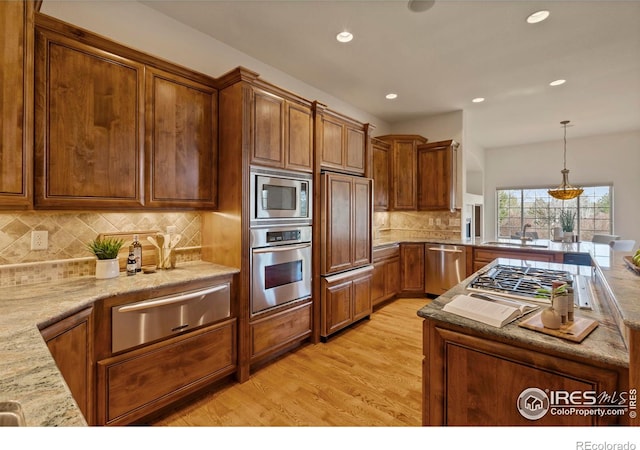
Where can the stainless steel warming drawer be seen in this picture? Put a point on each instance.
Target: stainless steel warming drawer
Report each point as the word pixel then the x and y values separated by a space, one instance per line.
pixel 137 323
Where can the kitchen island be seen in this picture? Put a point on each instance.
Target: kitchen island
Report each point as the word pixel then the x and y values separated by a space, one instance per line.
pixel 475 374
pixel 28 372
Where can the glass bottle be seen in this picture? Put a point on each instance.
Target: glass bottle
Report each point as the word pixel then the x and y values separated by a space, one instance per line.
pixel 137 252
pixel 131 262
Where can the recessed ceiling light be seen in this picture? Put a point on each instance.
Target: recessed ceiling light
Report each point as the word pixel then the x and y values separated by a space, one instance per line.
pixel 345 36
pixel 391 96
pixel 478 100
pixel 420 5
pixel 557 82
pixel 538 16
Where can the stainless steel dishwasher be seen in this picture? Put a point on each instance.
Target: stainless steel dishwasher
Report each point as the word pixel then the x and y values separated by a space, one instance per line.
pixel 445 267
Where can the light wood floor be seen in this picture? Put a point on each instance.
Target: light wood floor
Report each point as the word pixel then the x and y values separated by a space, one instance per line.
pixel 369 375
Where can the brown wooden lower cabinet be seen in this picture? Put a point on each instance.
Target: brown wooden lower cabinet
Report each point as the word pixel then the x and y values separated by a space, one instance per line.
pixel 133 385
pixel 346 298
pixel 412 268
pixel 385 280
pixel 483 256
pixel 70 342
pixel 472 380
pixel 277 331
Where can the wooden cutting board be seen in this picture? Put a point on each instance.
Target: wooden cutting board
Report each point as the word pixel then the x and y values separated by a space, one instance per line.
pixel 149 253
pixel 574 331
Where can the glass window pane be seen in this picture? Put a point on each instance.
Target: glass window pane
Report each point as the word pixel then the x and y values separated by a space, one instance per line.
pixel 517 207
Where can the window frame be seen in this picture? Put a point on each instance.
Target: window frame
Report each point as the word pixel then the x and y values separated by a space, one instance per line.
pixel 578 208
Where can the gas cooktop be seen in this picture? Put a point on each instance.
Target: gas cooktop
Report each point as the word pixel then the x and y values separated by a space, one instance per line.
pixel 518 282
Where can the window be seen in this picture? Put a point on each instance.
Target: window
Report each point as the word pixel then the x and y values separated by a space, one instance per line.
pixel 517 207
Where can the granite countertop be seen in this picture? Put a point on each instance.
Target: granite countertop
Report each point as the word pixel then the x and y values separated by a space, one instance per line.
pixel 604 344
pixel 545 245
pixel 28 372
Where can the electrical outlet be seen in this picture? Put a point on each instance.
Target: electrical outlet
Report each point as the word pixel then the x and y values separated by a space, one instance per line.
pixel 39 240
pixel 171 229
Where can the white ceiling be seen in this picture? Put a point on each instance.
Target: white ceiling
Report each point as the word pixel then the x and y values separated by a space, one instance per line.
pixel 438 60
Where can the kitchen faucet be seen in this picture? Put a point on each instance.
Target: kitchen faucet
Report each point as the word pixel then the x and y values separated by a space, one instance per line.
pixel 524 232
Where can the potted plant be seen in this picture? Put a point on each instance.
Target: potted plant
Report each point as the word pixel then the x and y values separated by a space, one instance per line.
pixel 567 222
pixel 106 250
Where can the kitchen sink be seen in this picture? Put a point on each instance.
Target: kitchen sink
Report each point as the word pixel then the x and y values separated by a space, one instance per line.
pixel 514 244
pixel 11 414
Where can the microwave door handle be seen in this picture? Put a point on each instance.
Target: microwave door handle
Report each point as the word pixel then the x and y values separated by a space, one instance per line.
pixel 265 199
pixel 284 248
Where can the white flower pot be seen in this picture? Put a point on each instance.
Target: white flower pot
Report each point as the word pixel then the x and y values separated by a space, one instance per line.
pixel 107 268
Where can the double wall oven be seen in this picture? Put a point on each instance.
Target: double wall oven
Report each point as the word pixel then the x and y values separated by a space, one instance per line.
pixel 281 217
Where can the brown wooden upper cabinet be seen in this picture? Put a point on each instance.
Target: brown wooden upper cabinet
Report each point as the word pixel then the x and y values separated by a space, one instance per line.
pixel 404 161
pixel 438 177
pixel 16 104
pixel 381 174
pixel 116 128
pixel 282 131
pixel 341 143
pixel 346 223
pixel 180 145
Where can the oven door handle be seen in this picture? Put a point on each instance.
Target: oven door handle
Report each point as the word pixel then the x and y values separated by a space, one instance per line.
pixel 283 248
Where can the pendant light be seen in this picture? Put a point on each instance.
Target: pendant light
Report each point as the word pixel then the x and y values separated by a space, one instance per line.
pixel 565 191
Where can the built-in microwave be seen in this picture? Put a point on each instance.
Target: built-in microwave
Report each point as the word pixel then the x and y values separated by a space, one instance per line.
pixel 280 196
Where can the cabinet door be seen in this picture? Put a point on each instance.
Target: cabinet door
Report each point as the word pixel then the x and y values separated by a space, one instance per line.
pixel 354 159
pixel 412 268
pixel 89 126
pixel 70 343
pixel 299 145
pixel 338 232
pixel 361 292
pixel 381 168
pixel 268 128
pixel 434 178
pixel 16 98
pixel 137 383
pixel 392 277
pixel 361 221
pixel 337 310
pixel 331 149
pixel 181 138
pixel 273 333
pixel 438 176
pixel 378 282
pixel 404 162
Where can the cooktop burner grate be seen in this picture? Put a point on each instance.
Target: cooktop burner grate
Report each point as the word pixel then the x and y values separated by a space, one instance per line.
pixel 516 281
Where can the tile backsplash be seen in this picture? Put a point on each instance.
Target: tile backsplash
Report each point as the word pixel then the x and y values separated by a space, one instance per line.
pixel 68 234
pixel 417 224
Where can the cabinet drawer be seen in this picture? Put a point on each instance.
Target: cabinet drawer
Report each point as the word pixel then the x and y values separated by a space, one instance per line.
pixel 386 252
pixel 276 331
pixel 136 383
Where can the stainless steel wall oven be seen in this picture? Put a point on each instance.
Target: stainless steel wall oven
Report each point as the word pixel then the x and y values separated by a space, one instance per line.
pixel 280 266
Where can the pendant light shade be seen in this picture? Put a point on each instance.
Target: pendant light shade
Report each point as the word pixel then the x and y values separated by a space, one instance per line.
pixel 565 191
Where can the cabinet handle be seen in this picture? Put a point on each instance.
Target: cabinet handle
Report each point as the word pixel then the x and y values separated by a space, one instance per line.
pixel 180 298
pixel 448 250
